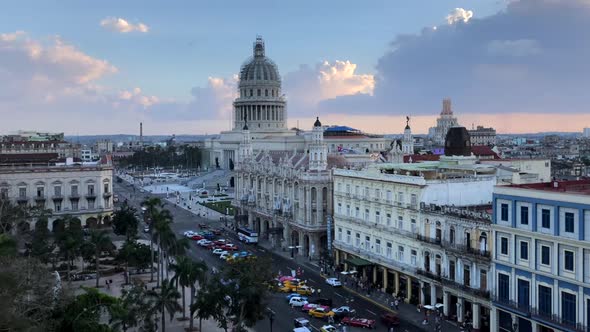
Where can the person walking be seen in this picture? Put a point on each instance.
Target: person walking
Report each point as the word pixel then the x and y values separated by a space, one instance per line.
pixel 396 303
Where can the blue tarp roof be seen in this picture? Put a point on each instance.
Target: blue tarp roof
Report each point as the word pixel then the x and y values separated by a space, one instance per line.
pixel 341 128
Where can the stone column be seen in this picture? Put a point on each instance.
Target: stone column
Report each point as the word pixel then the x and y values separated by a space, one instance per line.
pixel 476 317
pixel 396 283
pixel 422 295
pixel 409 288
pixel 432 294
pixel 309 206
pixel 460 309
pixel 250 220
pixel 384 288
pixel 319 206
pixel 286 235
pixel 302 244
pixel 446 303
pixel 494 319
pixel 374 274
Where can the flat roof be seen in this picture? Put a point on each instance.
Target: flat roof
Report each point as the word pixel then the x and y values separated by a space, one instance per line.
pixel 574 187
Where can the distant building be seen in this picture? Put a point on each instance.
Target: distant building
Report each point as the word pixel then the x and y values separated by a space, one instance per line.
pixel 540 267
pixel 77 189
pixel 586 133
pixel 483 136
pixel 104 146
pixel 35 143
pixel 445 122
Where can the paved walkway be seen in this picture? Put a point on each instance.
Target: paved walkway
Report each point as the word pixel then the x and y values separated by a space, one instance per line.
pixel 406 312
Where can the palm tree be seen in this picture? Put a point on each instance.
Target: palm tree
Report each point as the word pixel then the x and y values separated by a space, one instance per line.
pixel 174 247
pixel 181 274
pixel 165 300
pixel 152 205
pixel 196 273
pixel 163 235
pixel 101 241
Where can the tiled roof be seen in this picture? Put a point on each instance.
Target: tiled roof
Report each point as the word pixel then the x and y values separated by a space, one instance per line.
pixel 421 157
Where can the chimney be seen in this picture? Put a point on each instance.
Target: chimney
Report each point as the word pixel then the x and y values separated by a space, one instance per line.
pixel 141 132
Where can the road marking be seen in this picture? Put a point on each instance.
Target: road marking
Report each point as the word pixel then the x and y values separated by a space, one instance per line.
pixel 339 295
pixel 371 312
pixel 313 327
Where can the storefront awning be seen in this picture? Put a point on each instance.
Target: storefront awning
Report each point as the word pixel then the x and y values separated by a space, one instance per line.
pixel 358 262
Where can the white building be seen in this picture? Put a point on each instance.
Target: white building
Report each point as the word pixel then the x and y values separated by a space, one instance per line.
pixel 586 133
pixel 445 121
pixel 541 261
pixel 287 195
pixel 483 136
pixel 408 139
pixel 420 230
pixel 261 103
pixel 80 190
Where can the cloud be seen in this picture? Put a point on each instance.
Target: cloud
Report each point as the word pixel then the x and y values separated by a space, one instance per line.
pixel 459 14
pixel 530 58
pixel 122 25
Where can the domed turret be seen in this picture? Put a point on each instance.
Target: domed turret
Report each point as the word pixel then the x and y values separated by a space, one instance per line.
pixel 317 122
pixel 458 142
pixel 260 99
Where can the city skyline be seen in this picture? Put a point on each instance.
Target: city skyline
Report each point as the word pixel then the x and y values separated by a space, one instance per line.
pixel 104 70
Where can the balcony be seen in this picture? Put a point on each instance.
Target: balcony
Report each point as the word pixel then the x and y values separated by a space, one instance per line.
pixel 462 249
pixel 557 321
pixel 523 309
pixel 106 194
pixel 40 198
pixel 90 195
pixel 428 239
pixel 479 292
pixel 57 197
pixel 22 199
pixel 74 196
pixel 430 275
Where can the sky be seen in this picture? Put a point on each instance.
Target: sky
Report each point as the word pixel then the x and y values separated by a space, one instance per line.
pixel 102 67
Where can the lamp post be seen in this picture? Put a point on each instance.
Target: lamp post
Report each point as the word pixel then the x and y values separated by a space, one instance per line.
pixel 293 250
pixel 271 316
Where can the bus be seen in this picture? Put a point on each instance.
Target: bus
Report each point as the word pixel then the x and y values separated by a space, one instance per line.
pixel 247 235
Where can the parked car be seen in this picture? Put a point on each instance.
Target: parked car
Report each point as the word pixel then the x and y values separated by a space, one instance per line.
pixel 189 233
pixel 390 319
pixel 219 251
pixel 225 256
pixel 328 328
pixel 208 235
pixel 197 237
pixel 297 301
pixel 334 282
pixel 343 311
pixel 229 247
pixel 292 295
pixel 203 242
pixel 305 290
pixel 309 306
pixel 301 322
pixel 217 231
pixel 203 226
pixel 358 322
pixel 320 312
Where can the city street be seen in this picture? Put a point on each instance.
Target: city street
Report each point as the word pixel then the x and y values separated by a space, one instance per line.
pixel 283 321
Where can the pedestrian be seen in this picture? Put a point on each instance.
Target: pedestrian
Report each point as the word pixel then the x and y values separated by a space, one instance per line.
pixel 396 303
pixel 106 282
pixel 392 304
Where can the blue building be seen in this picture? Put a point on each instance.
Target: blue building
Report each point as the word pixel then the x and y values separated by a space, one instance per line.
pixel 541 260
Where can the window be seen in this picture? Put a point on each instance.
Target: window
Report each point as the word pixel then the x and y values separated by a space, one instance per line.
pixel 388 250
pixel 22 192
pixel 377 217
pixel 400 253
pixel 347 210
pixel 400 222
pixel 545 300
pixel 378 246
pixel 504 246
pixel 266 92
pixel 545 255
pixel 524 215
pixel 546 218
pixel 568 308
pixel 57 190
pixel 106 188
pixel 452 270
pixel 339 208
pixel 568 260
pixel 367 192
pixel 367 242
pixel 523 293
pixel 74 205
pixel 388 219
pixel 357 190
pixel 57 206
pixel 452 235
pixel 358 240
pixel 414 200
pixel 357 212
pixel 348 189
pixel 389 196
pixel 414 227
pixel 339 234
pixel 40 191
pixel 348 237
pixel 339 187
pixel 74 190
pixel 107 203
pixel 258 93
pixel 90 189
pixel 377 193
pixel 251 93
pixel 503 287
pixel 569 222
pixel 504 212
pixel 400 197
pixel 4 193
pixel 413 256
pixel 524 250
pixel 91 204
pixel 367 214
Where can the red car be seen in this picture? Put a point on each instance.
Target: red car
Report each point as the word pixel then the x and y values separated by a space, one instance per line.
pixel 229 247
pixel 390 319
pixel 359 322
pixel 197 237
pixel 217 231
pixel 203 226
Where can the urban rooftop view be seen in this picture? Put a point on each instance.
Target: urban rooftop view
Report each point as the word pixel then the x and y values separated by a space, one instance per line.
pixel 412 166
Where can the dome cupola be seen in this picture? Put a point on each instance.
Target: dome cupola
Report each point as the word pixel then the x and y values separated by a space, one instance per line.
pixel 458 142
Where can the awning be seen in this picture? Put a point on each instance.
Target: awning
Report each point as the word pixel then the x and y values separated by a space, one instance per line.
pixel 358 262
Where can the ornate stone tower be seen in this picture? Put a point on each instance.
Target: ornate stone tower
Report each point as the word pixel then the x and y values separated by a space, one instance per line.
pixel 260 100
pixel 408 140
pixel 245 150
pixel 318 150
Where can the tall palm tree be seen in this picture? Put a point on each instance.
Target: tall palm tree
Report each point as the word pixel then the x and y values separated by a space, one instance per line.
pixel 196 273
pixel 181 271
pixel 152 206
pixel 163 235
pixel 101 241
pixel 165 300
pixel 174 247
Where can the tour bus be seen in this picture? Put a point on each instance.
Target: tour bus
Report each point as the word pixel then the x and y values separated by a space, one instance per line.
pixel 247 235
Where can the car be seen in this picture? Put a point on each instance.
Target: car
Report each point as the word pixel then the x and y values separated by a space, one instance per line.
pixel 230 247
pixel 208 235
pixel 320 312
pixel 286 278
pixel 358 322
pixel 297 301
pixel 203 226
pixel 292 295
pixel 343 311
pixel 334 282
pixel 301 322
pixel 224 256
pixel 322 301
pixel 217 231
pixel 197 237
pixel 203 242
pixel 310 306
pixel 189 233
pixel 301 329
pixel 328 328
pixel 304 290
pixel 286 289
pixel 390 319
pixel 220 242
pixel 219 251
pixel 146 229
pixel 294 283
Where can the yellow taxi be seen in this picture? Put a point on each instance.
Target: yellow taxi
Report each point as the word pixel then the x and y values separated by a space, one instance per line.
pixel 286 289
pixel 304 290
pixel 320 312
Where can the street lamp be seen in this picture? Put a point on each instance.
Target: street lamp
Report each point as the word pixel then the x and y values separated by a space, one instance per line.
pixel 271 316
pixel 293 250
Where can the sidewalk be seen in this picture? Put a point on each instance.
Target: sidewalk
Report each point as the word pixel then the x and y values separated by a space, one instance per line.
pixel 406 312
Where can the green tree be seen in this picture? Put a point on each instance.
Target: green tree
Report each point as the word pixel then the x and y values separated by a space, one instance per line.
pixel 125 223
pixel 211 302
pixel 197 273
pixel 165 300
pixel 69 239
pixel 86 311
pixel 164 236
pixel 40 245
pixel 182 270
pixel 152 206
pixel 133 310
pixel 7 245
pixel 101 242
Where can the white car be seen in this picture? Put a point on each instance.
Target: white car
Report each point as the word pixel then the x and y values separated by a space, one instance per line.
pixel 189 234
pixel 224 256
pixel 219 251
pixel 203 242
pixel 297 301
pixel 334 282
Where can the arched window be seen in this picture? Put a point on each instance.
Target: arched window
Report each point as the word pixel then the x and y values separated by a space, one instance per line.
pixel 483 241
pixel 452 235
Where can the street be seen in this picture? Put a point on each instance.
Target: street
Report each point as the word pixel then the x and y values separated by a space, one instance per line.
pixel 185 220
